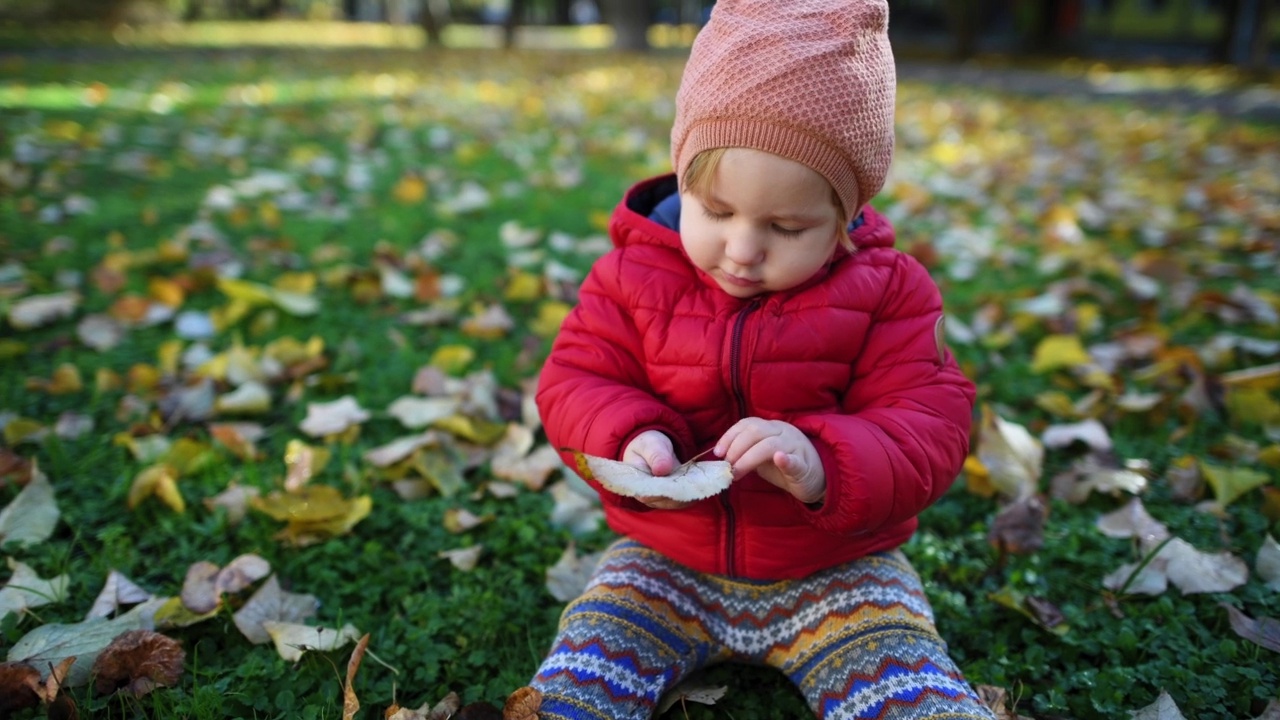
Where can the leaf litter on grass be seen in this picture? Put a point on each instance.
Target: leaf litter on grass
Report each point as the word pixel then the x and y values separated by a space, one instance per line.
pixel 1106 277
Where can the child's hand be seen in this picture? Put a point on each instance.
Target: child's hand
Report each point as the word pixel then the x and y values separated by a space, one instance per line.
pixel 652 452
pixel 779 452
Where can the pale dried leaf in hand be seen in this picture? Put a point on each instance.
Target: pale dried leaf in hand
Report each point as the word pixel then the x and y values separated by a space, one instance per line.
pixel 292 640
pixel 333 417
pixel 1013 458
pixel 464 559
pixel 271 603
pixel 31 517
pixel 1134 521
pixel 1268 563
pixel 568 577
pixel 25 589
pixel 688 482
pixel 137 662
pixel 1164 708
pixel 1262 631
pixel 116 591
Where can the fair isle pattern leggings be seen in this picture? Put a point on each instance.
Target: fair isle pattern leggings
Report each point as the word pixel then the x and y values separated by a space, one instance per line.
pixel 858 640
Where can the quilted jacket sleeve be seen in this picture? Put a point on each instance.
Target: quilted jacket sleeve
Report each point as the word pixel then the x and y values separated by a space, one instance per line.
pixel 905 433
pixel 593 392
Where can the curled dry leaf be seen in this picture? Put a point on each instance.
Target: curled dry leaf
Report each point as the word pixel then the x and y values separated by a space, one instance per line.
pixel 687 692
pixel 250 398
pixel 271 603
pixel 460 520
pixel 334 417
pixel 18 687
pixel 522 704
pixel 1268 563
pixel 137 662
pixel 235 500
pixel 686 483
pixel 1134 521
pixel 447 708
pixel 351 703
pixel 205 582
pixel 400 449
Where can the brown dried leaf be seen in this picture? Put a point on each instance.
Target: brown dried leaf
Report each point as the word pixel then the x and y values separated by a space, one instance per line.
pixel 199 588
pixel 137 662
pixel 350 703
pixel 522 704
pixel 1019 526
pixel 19 687
pixel 242 572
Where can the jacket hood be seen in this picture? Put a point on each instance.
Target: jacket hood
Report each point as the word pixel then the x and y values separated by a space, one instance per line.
pixel 630 223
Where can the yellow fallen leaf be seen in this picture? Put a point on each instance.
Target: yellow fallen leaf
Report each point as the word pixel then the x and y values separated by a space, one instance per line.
pixel 1059 351
pixel 1230 483
pixel 523 286
pixel 251 398
pixel 481 432
pixel 1013 458
pixel 166 292
pixel 303 283
pixel 410 189
pixel 978 478
pixel 1249 405
pixel 313 503
pixel 303 462
pixel 551 315
pixel 302 533
pixel 173 614
pixel 159 480
pixel 23 430
pixel 488 323
pixel 452 359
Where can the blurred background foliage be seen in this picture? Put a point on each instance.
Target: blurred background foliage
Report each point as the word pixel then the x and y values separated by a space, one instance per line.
pixel 1237 32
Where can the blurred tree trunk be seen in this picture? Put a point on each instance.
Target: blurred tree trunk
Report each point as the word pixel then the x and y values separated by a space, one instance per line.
pixel 432 26
pixel 630 21
pixel 1243 40
pixel 962 18
pixel 515 16
pixel 194 11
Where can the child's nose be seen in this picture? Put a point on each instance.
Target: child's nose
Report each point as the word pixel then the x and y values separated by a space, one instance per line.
pixel 744 247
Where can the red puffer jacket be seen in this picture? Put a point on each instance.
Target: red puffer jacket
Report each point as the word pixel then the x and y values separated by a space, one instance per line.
pixel 852 357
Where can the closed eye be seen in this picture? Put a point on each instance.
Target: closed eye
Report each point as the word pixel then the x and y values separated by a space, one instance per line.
pixel 714 215
pixel 788 232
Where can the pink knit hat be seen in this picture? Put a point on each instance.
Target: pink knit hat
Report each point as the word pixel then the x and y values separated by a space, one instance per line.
pixel 809 80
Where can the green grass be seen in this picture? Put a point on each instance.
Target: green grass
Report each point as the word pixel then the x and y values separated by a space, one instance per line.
pixel 482 633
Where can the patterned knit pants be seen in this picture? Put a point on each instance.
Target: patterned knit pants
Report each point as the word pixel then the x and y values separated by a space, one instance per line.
pixel 858 640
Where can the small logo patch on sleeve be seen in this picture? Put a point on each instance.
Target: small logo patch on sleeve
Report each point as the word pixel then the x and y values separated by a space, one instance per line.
pixel 940 337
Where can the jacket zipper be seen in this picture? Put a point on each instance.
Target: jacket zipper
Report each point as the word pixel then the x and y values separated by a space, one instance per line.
pixel 735 378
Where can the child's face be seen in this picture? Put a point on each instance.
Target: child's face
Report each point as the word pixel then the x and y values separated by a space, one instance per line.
pixel 766 224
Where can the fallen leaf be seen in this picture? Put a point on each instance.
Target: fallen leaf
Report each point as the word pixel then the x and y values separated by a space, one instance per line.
pixel 31 517
pixel 205 582
pixel 18 683
pixel 1267 563
pixel 1134 521
pixel 688 482
pixel 292 640
pixel 464 559
pixel 1019 526
pixel 235 500
pixel 334 417
pixel 1012 457
pixel 417 412
pixel 25 589
pixel 1037 610
pixel 399 449
pixel 522 704
pixel 116 591
pixel 271 603
pixel 1090 432
pixel 573 510
pixel 1164 708
pixel 350 703
pixel 37 310
pixel 159 480
pixel 688 691
pixel 1230 483
pixel 239 438
pixel 1263 631
pixel 100 332
pixel 49 645
pixel 137 662
pixel 568 577
pixel 1056 352
pixel 250 398
pixel 460 520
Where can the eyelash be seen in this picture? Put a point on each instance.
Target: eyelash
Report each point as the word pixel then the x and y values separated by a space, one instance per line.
pixel 785 232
